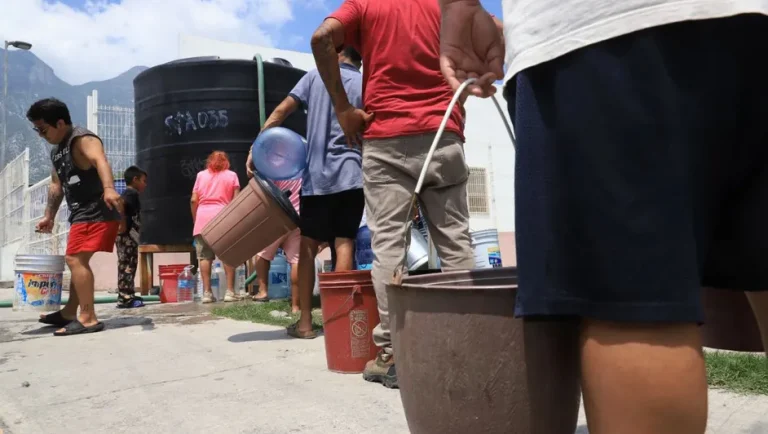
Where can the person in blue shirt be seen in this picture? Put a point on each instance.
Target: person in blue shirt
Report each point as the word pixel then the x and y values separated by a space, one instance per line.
pixel 332 199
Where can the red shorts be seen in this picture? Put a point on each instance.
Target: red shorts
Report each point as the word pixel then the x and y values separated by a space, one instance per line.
pixel 92 237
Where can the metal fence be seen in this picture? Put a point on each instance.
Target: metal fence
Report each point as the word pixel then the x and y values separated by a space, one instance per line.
pixel 13 180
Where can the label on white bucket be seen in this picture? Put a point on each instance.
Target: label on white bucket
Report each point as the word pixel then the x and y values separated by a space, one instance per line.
pixel 38 290
pixel 359 335
pixel 494 257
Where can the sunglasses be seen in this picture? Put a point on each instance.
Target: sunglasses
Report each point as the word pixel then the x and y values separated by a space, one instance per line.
pixel 40 131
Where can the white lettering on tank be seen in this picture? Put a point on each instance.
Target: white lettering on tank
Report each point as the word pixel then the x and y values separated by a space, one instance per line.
pixel 189 121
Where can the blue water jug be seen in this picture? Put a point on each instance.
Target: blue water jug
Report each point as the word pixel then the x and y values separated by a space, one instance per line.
pixel 279 285
pixel 363 251
pixel 279 153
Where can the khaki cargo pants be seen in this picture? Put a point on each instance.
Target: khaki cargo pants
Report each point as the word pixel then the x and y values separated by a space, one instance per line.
pixel 391 168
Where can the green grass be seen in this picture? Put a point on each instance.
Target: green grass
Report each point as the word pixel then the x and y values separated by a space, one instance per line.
pixel 738 372
pixel 261 312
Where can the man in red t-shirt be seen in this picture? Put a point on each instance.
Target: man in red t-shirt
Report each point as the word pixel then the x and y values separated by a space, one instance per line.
pixel 405 98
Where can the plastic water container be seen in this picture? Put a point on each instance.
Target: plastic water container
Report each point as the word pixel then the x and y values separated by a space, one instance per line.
pixel 38 282
pixel 279 285
pixel 363 251
pixel 486 246
pixel 279 154
pixel 240 276
pixel 218 281
pixel 199 287
pixel 185 289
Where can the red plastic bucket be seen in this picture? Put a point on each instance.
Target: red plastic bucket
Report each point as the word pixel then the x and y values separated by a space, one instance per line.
pixel 169 278
pixel 350 313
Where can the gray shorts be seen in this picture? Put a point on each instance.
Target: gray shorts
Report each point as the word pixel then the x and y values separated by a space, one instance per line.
pixel 204 251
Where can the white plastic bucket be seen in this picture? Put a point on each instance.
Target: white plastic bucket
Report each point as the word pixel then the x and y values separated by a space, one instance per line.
pixel 486 246
pixel 38 282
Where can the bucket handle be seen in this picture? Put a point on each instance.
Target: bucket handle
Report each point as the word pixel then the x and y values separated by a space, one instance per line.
pixel 357 289
pixel 402 269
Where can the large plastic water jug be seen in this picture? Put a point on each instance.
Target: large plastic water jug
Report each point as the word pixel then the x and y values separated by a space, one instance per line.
pixel 279 285
pixel 363 252
pixel 279 154
pixel 185 289
pixel 218 281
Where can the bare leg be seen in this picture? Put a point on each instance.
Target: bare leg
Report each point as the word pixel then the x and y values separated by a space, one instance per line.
pixel 306 280
pixel 205 273
pixel 69 311
pixel 295 287
pixel 82 283
pixel 229 272
pixel 262 277
pixel 643 378
pixel 345 254
pixel 759 302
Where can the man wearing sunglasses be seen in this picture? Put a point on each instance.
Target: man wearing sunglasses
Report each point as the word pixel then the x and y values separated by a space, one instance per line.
pixel 82 174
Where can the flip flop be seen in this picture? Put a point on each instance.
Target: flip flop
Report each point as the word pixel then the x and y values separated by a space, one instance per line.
pixel 293 331
pixel 77 328
pixel 55 319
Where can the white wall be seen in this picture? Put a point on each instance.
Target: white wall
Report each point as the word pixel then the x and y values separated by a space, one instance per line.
pixel 488 145
pixel 484 128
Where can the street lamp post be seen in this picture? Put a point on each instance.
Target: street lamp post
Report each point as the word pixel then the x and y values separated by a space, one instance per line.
pixel 21 46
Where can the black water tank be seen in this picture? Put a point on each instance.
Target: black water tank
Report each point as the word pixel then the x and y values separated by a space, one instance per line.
pixel 187 109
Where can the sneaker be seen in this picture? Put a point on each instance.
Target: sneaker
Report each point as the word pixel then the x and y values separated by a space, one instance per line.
pixel 126 301
pixel 230 297
pixel 208 298
pixel 382 370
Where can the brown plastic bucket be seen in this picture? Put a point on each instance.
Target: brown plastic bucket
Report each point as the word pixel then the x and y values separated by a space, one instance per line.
pixel 256 218
pixel 465 364
pixel 729 323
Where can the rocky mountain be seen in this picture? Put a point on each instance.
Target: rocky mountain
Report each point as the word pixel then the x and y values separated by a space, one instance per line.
pixel 30 79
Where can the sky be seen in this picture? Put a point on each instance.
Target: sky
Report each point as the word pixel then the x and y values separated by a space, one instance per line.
pixel 87 40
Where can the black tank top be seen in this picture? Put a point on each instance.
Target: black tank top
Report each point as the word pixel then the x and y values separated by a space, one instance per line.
pixel 82 188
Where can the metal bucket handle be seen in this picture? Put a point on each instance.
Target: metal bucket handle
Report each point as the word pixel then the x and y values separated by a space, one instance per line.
pixel 402 269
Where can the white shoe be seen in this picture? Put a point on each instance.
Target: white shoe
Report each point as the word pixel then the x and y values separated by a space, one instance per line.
pixel 208 298
pixel 230 297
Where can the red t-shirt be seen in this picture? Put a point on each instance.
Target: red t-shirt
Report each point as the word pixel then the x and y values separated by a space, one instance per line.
pixel 399 41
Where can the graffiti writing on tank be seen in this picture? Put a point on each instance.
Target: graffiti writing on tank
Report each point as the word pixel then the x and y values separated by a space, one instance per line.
pixel 190 166
pixel 186 121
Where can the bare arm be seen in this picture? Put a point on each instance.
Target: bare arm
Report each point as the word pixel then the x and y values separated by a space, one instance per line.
pixel 194 202
pixel 93 151
pixel 326 38
pixel 55 196
pixel 281 112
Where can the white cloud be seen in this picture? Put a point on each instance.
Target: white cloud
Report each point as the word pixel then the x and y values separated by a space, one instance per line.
pixel 105 38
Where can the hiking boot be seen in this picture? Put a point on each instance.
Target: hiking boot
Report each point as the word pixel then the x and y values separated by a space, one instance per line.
pixel 381 370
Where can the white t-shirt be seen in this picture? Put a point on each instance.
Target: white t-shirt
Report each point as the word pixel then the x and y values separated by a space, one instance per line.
pixel 537 31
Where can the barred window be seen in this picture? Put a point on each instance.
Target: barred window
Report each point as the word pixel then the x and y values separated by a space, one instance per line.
pixel 477 191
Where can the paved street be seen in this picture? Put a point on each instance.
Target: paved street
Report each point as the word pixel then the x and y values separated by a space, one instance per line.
pixel 174 368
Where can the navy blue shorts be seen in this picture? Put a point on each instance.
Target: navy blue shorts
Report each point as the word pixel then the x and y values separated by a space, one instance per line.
pixel 642 172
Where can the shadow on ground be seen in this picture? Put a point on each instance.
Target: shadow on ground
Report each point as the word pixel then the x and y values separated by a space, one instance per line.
pixel 110 324
pixel 260 336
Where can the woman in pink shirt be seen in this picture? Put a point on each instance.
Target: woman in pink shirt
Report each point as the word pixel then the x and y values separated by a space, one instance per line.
pixel 215 187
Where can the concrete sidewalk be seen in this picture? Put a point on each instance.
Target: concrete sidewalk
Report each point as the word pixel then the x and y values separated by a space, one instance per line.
pixel 174 368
